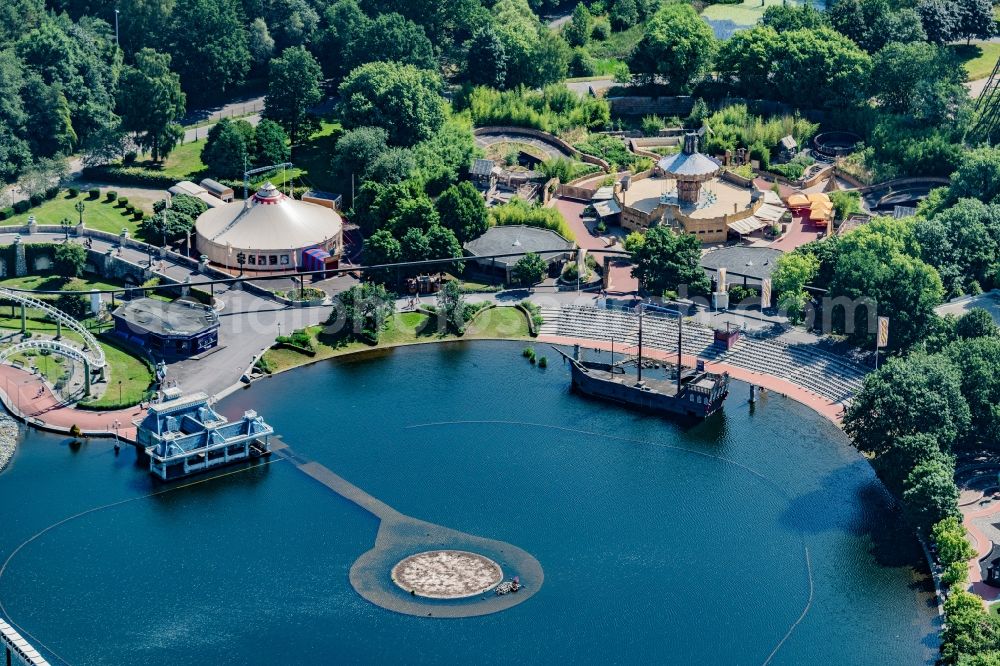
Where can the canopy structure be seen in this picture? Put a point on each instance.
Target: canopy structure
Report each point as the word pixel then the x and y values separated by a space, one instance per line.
pixel 690 169
pixel 608 208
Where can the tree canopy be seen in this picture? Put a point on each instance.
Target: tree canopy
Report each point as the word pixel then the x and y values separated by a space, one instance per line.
pixel 403 100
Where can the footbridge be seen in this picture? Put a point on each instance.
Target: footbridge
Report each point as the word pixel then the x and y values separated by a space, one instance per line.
pixel 16 650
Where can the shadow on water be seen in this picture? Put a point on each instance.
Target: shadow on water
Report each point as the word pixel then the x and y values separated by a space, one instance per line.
pixel 870 513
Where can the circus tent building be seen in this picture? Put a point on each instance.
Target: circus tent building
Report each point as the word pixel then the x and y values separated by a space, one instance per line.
pixel 271 232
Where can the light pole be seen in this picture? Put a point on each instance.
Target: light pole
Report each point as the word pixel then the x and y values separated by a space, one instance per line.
pixel 241 259
pixel 65 223
pixel 119 392
pixel 79 207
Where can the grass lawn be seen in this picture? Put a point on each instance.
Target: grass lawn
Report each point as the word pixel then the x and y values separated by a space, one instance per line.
pixel 403 329
pixel 126 371
pixel 978 58
pixel 618 46
pixel 51 366
pixel 97 214
pixel 183 163
pixel 313 159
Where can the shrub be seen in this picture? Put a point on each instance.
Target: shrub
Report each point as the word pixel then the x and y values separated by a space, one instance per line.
pixel 112 195
pixel 130 157
pixel 601 31
pixel 94 193
pixel 651 125
pixel 21 207
pixel 600 228
pixel 543 362
pixel 123 201
pixel 73 192
pixel 6 213
pixel 51 192
pixel 36 200
pixel 519 212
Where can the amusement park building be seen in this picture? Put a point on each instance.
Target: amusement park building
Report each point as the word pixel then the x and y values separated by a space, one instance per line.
pixel 271 232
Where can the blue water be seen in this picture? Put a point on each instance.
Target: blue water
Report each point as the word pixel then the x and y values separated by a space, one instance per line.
pixel 659 544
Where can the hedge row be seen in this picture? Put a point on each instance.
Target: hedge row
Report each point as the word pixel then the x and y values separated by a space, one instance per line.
pixel 129 176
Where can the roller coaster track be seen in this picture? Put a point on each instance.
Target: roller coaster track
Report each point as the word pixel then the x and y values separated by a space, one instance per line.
pixel 987 119
pixel 92 354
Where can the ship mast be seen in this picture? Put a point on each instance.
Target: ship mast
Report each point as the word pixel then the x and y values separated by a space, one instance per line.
pixel 640 342
pixel 680 340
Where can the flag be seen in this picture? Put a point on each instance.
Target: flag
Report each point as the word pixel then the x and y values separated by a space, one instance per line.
pixel 765 294
pixel 883 332
pixel 722 279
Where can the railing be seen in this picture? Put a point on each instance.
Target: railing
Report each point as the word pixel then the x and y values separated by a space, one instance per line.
pixel 94 354
pixel 18 648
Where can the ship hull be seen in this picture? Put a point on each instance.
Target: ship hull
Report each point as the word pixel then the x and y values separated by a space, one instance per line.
pixel 594 386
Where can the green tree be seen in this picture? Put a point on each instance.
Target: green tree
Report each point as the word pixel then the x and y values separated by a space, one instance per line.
pixel 976 20
pixel 969 630
pixel 357 150
pixel 486 64
pixel 677 47
pixel 577 31
pixel 976 323
pixel 271 144
pixel 528 270
pixel 393 38
pixel 209 47
pixel 624 14
pixel 786 17
pixel 367 308
pixel 226 152
pixel 381 248
pixel 940 19
pixel 293 89
pixel 794 271
pixel 669 261
pixel 150 102
pixel 879 264
pixel 48 116
pixel 908 396
pixel 413 213
pixel 462 209
pixel 451 306
pixel 402 99
pixel 259 42
pixel 917 79
pixel 977 176
pixel 977 361
pixel 343 21
pixel 930 493
pixel 442 244
pixel 951 542
pixel 414 246
pixel 70 260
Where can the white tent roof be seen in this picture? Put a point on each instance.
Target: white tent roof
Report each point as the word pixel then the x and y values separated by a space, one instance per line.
pixel 267 221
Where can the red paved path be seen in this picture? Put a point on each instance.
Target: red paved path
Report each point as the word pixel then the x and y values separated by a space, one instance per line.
pixel 620 280
pixel 983 546
pixel 800 231
pixel 28 395
pixel 831 410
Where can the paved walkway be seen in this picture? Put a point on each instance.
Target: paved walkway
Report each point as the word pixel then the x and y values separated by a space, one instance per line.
pixel 28 396
pixel 620 280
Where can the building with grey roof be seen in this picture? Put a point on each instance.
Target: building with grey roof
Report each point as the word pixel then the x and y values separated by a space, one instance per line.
pixel 515 241
pixel 168 329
